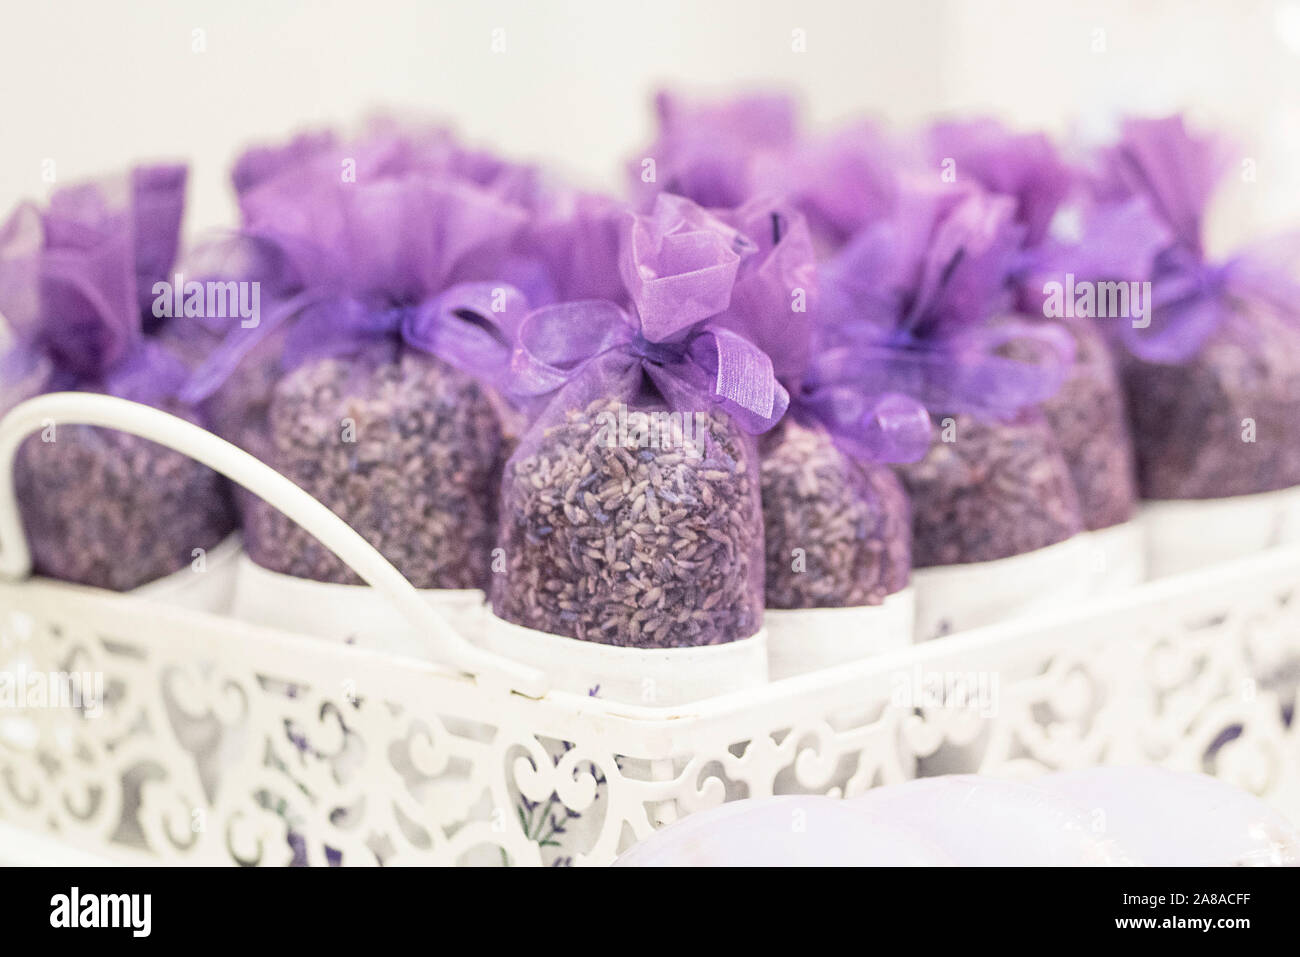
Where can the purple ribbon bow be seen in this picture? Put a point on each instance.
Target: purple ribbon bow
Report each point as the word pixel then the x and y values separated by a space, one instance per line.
pixel 562 343
pixel 869 425
pixel 471 326
pixel 679 265
pixel 409 258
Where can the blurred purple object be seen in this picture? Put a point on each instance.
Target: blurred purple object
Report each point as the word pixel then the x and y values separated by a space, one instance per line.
pixel 1024 166
pixel 909 302
pixel 77 278
pixel 723 153
pixel 1152 190
pixel 718 154
pixel 102 507
pixel 260 163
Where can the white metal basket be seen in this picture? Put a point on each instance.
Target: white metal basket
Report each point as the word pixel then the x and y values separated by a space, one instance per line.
pixel 220 742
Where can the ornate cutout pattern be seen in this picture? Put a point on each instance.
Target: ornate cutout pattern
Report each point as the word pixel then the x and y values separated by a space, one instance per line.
pixel 219 743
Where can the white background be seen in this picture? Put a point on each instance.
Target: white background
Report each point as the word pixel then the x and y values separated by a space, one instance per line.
pixel 94 84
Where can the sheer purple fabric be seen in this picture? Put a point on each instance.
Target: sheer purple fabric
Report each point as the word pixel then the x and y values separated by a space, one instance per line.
pixel 630 512
pixel 1216 359
pixel 77 281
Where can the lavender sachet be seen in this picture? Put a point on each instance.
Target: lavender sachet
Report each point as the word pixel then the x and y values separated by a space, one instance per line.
pixel 630 512
pixel 911 298
pixel 79 282
pixel 383 327
pixel 1212 369
pixel 1087 413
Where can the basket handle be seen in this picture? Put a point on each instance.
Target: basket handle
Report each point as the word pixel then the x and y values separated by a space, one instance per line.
pixel 83 408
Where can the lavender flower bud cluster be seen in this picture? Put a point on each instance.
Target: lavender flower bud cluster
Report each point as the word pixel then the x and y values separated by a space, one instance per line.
pixel 836 530
pixel 641 547
pixel 112 510
pixel 407 452
pixel 1000 489
pixel 1224 423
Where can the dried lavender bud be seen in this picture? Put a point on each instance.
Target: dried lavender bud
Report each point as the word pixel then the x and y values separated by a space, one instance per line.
pixel 848 520
pixel 996 489
pixel 406 452
pixel 646 547
pixel 1225 423
pixel 104 508
pixel 1091 426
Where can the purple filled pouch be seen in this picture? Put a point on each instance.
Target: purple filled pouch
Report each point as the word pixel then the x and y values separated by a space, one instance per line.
pixel 917 295
pixel 989 489
pixel 912 302
pixel 1224 423
pixel 1089 419
pixel 77 287
pixel 630 512
pixel 1213 379
pixel 1087 413
pixel 377 352
pixel 837 529
pixel 836 522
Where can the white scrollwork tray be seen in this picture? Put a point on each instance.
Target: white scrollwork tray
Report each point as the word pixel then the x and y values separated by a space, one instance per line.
pixel 217 742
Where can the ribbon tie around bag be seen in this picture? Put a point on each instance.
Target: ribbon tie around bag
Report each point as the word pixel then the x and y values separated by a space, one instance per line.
pixel 1191 299
pixel 470 326
pixel 679 266
pixel 702 367
pixel 357 265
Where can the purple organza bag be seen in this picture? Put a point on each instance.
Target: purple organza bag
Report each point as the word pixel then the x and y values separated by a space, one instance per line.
pixel 1213 379
pixel 77 287
pixel 910 302
pixel 1087 413
pixel 836 520
pixel 1088 416
pixel 630 513
pixel 297 233
pixel 381 339
pixel 1223 423
pixel 837 528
